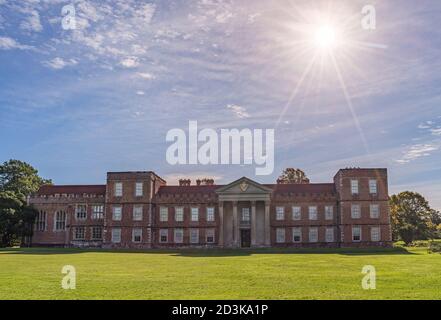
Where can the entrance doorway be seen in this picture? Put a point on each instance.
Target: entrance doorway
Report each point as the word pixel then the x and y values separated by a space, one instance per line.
pixel 245 238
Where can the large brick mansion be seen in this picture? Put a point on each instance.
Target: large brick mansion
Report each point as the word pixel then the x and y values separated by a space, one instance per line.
pixel 139 210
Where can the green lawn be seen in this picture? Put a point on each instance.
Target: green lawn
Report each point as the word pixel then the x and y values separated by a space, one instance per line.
pixel 409 273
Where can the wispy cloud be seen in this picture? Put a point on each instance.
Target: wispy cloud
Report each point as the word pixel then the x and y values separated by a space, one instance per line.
pixel 59 63
pixel 417 151
pixel 239 111
pixel 7 43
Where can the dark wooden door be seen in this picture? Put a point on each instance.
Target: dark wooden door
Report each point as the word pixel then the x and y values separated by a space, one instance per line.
pixel 245 238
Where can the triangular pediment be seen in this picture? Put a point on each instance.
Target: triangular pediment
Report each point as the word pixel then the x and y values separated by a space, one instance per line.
pixel 244 185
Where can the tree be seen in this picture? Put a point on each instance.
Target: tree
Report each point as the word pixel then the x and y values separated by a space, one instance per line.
pixel 293 175
pixel 410 217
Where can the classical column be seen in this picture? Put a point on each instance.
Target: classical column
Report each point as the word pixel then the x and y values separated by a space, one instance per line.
pixel 235 225
pixel 253 223
pixel 267 224
pixel 221 223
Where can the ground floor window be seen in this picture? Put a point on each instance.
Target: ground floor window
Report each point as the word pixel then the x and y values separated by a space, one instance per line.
pixel 60 221
pixel 297 235
pixel 356 234
pixel 116 235
pixel 79 233
pixel 329 234
pixel 375 234
pixel 97 233
pixel 209 235
pixel 313 235
pixel 280 235
pixel 179 235
pixel 163 235
pixel 137 235
pixel 194 235
pixel 40 222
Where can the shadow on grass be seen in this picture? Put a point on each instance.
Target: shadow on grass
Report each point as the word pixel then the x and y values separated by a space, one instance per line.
pixel 213 252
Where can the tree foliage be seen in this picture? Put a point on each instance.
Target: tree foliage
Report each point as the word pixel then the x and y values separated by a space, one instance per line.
pixel 293 175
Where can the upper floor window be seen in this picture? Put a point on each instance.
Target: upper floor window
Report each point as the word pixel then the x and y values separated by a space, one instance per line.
pixel 179 235
pixel 137 213
pixel 329 212
pixel 296 213
pixel 163 214
pixel 375 234
pixel 280 213
pixel 194 235
pixel 81 211
pixel 60 221
pixel 40 222
pixel 194 214
pixel 209 235
pixel 163 235
pixel 356 234
pixel 179 214
pixel 329 234
pixel 137 235
pixel 280 235
pixel 313 234
pixel 116 235
pixel 373 186
pixel 80 233
pixel 118 189
pixel 313 213
pixel 354 186
pixel 355 211
pixel 210 214
pixel 246 215
pixel 138 189
pixel 297 234
pixel 375 211
pixel 97 212
pixel 97 233
pixel 117 213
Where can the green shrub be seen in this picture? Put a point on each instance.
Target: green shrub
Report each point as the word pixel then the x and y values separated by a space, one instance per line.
pixel 434 247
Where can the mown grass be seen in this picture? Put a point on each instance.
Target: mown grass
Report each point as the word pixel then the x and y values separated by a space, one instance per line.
pixel 402 273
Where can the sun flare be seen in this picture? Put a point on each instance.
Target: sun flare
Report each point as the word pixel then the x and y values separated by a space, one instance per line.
pixel 325 37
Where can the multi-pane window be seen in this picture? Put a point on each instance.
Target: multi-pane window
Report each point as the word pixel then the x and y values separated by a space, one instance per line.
pixel 280 235
pixel 137 213
pixel 373 186
pixel 375 234
pixel 280 213
pixel 163 214
pixel 81 211
pixel 313 234
pixel 374 211
pixel 354 186
pixel 312 213
pixel 210 214
pixel 246 215
pixel 40 222
pixel 118 189
pixel 209 235
pixel 138 189
pixel 97 233
pixel 79 233
pixel 117 213
pixel 60 221
pixel 163 235
pixel 329 235
pixel 356 234
pixel 97 212
pixel 297 234
pixel 329 212
pixel 137 235
pixel 296 213
pixel 355 211
pixel 194 236
pixel 179 235
pixel 116 235
pixel 194 214
pixel 179 214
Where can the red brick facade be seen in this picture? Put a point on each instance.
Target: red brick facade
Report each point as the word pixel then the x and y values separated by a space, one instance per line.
pixel 138 210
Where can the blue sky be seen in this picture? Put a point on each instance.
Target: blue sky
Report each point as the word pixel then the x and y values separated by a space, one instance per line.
pixel 78 103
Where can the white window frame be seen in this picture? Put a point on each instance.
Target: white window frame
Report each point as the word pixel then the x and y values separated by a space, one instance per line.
pixel 60 221
pixel 93 233
pixel 296 213
pixel 79 214
pixel 375 236
pixel 139 186
pixel 355 188
pixel 296 231
pixel 353 233
pixel 355 211
pixel 41 221
pixel 210 233
pixel 280 235
pixel 329 212
pixel 280 213
pixel 330 234
pixel 179 214
pixel 194 236
pixel 313 231
pixel 118 189
pixel 138 212
pixel 115 232
pixel 194 214
pixel 115 215
pixel 163 214
pixel 313 213
pixel 163 233
pixel 245 215
pixel 178 235
pixel 137 232
pixel 83 233
pixel 210 214
pixel 373 186
pixel 97 211
pixel 374 211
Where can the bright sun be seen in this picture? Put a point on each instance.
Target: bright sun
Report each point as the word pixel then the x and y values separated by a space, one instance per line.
pixel 325 37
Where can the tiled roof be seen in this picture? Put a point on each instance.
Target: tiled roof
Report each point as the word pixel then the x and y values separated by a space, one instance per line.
pixel 78 189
